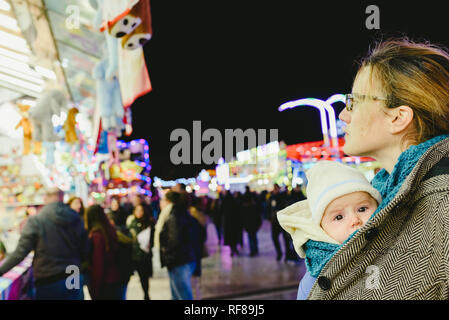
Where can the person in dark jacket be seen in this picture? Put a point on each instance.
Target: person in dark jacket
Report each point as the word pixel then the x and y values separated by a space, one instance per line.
pixel 278 200
pixel 252 220
pixel 59 240
pixel 196 212
pixel 296 195
pixel 232 224
pixel 104 274
pixel 217 218
pixel 142 261
pixel 178 234
pixel 119 214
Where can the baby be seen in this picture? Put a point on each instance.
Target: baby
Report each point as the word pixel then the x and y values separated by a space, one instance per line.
pixel 340 200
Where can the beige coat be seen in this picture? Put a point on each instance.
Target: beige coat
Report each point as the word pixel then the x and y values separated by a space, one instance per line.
pixel 403 252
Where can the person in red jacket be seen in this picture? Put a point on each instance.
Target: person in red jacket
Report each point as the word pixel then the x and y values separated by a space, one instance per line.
pixel 104 273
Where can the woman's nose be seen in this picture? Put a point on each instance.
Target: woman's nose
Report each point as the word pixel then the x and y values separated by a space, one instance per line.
pixel 344 116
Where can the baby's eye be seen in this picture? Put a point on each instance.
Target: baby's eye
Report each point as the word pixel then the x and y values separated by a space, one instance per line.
pixel 362 209
pixel 338 217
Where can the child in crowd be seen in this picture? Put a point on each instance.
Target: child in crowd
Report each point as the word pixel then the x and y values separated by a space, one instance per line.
pixel 340 200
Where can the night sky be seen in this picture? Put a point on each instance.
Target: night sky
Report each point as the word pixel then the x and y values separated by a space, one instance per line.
pixel 231 64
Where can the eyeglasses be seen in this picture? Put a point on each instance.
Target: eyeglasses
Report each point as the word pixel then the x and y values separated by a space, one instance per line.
pixel 350 97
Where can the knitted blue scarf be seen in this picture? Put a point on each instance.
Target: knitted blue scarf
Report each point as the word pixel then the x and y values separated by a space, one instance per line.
pixel 319 253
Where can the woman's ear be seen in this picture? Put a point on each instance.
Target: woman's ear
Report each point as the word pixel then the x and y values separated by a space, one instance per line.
pixel 400 119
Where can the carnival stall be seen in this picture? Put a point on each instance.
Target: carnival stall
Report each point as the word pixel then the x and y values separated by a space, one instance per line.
pixel 126 175
pixel 259 168
pixel 69 73
pixel 307 154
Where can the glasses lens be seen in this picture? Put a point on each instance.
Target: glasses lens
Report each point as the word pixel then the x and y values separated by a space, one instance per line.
pixel 349 102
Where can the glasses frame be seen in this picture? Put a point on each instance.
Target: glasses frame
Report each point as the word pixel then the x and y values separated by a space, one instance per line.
pixel 349 99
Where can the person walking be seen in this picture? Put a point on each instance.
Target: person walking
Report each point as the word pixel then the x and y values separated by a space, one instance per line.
pixel 232 223
pixel 217 218
pixel 202 219
pixel 104 275
pixel 177 238
pixel 277 202
pixel 142 260
pixel 252 220
pixel 58 238
pixel 398 114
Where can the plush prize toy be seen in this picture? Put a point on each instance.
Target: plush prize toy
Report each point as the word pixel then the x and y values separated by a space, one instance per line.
pixel 127 19
pixel 110 51
pixel 117 17
pixel 109 100
pixel 25 123
pixel 138 37
pixel 69 126
pixel 52 102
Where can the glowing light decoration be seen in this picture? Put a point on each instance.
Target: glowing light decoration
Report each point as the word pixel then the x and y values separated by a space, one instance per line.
pixel 323 106
pixel 311 102
pixel 126 145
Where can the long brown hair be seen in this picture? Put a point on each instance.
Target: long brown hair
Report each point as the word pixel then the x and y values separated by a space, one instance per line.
pixel 73 198
pixel 96 220
pixel 415 75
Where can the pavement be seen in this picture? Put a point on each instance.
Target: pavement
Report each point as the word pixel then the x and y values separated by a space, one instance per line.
pixel 225 277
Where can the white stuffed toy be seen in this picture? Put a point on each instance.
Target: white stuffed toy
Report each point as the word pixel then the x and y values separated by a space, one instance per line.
pixel 109 100
pixel 52 102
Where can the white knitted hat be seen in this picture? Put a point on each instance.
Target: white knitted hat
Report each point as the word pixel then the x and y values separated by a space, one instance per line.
pixel 328 180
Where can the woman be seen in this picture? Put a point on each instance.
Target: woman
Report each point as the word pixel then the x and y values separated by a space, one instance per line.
pixel 142 261
pixel 118 213
pixel 76 204
pixel 104 275
pixel 398 113
pixel 177 237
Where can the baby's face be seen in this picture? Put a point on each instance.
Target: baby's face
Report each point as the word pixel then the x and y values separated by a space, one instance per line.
pixel 347 213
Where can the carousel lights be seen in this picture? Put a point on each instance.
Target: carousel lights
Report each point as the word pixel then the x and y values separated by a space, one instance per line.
pixel 316 103
pixel 9 23
pixel 14 55
pixel 14 42
pixel 20 83
pixel 45 72
pixel 4 5
pixel 321 105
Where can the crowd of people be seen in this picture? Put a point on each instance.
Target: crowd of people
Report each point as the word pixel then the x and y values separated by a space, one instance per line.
pixel 111 241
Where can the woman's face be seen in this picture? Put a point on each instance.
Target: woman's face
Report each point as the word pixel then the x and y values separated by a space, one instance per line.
pixel 114 205
pixel 138 212
pixel 366 132
pixel 76 205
